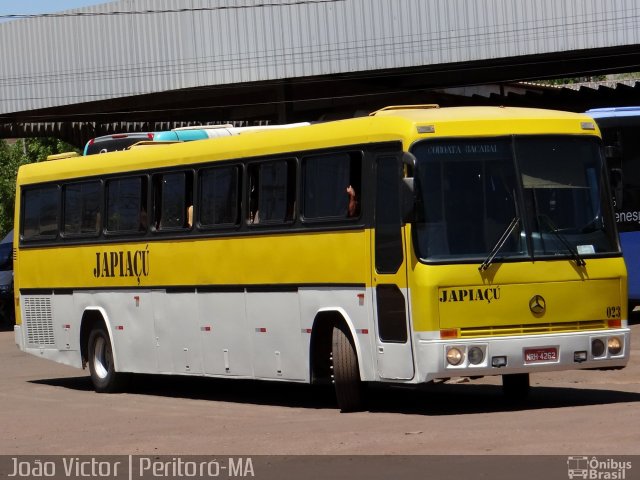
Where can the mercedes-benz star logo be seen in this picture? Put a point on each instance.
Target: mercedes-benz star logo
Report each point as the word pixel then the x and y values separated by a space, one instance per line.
pixel 537 305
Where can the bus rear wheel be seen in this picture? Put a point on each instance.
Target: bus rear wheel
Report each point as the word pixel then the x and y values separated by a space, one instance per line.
pixel 104 377
pixel 346 373
pixel 515 386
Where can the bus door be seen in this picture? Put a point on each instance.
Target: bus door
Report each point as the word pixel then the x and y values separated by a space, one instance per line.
pixel 389 282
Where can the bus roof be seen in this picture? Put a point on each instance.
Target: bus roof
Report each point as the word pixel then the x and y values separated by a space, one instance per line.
pixel 395 124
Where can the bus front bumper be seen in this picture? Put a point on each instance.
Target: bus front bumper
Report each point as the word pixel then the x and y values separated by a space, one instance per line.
pixel 522 354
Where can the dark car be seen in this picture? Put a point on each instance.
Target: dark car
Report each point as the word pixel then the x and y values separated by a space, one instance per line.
pixel 6 281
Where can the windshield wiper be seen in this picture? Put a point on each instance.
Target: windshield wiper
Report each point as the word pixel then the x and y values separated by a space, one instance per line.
pixel 499 244
pixel 574 253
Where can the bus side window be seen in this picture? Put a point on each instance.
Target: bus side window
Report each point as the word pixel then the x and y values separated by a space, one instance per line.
pixel 218 204
pixel 81 207
pixel 173 201
pixel 40 219
pixel 272 192
pixel 127 205
pixel 331 186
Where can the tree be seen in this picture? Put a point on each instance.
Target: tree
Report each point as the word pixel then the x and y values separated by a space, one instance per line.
pixel 568 81
pixel 12 157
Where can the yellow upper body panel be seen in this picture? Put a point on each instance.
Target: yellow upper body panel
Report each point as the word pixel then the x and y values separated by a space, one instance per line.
pixel 388 125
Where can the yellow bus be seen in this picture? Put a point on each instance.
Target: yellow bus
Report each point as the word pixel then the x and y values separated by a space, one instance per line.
pixel 410 246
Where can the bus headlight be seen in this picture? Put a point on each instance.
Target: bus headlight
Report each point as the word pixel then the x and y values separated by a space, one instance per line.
pixel 597 347
pixel 454 356
pixel 614 345
pixel 476 355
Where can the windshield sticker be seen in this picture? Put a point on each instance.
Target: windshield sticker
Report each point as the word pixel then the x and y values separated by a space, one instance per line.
pixel 469 295
pixel 458 149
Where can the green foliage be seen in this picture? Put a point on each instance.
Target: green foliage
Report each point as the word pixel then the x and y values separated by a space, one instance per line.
pixel 567 81
pixel 22 152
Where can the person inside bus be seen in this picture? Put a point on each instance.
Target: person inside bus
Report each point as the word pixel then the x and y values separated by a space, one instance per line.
pixel 253 196
pixel 352 208
pixel 254 216
pixel 190 216
pixel 143 219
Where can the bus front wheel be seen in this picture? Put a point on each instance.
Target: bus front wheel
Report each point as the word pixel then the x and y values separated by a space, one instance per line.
pixel 101 366
pixel 346 373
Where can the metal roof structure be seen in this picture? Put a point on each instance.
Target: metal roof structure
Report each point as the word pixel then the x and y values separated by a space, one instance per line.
pixel 289 60
pixel 577 97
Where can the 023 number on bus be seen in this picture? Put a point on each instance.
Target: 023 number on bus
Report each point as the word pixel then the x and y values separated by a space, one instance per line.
pixel 614 311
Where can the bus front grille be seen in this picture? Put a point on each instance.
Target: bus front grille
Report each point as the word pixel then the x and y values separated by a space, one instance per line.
pixel 38 321
pixel 532 329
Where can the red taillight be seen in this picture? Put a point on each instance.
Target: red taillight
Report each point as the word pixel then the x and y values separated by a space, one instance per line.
pixel 92 141
pixel 150 135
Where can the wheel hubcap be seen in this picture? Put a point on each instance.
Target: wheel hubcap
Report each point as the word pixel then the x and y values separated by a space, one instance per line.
pixel 101 358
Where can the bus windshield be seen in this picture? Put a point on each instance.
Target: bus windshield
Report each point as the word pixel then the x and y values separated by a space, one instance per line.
pixel 513 197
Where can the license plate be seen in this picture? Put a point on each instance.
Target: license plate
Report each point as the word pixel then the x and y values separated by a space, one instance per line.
pixel 539 355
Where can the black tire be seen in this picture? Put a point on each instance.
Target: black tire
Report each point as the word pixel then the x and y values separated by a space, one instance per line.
pixel 101 367
pixel 346 373
pixel 516 386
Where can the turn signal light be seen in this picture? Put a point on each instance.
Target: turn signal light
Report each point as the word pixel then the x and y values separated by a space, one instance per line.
pixel 449 333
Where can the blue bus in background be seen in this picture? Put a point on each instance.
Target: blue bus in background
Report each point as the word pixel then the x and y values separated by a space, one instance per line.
pixel 620 128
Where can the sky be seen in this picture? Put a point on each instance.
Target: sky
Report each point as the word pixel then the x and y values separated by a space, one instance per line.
pixel 30 7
